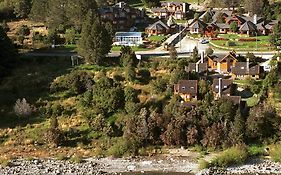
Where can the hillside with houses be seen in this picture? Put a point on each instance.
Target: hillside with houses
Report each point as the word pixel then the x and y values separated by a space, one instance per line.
pixel 184 86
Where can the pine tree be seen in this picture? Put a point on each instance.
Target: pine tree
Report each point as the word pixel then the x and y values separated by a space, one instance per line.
pixel 7 53
pixel 95 42
pixel 38 10
pixel 56 13
pixel 22 8
pixel 76 11
pixel 173 52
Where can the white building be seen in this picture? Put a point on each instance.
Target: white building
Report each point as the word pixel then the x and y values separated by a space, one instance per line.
pixel 128 38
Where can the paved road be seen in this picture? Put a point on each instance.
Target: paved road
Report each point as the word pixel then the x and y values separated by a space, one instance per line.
pixel 184 48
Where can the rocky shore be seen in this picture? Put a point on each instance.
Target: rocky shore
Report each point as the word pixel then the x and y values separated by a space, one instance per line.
pixel 93 166
pixel 255 166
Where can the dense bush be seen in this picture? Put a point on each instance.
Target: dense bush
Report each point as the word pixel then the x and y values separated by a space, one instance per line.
pixel 275 153
pixel 233 156
pixel 76 82
pixel 24 30
pixel 23 108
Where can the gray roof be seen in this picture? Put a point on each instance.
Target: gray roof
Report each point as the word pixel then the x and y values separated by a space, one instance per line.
pixel 222 25
pixel 227 85
pixel 157 9
pixel 241 69
pixel 159 25
pixel 187 87
pixel 128 34
pixel 202 67
pixel 209 11
pixel 248 26
pixel 197 23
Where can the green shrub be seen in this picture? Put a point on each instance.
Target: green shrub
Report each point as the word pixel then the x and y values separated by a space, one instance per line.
pixel 118 149
pixel 203 164
pixel 6 163
pixel 275 153
pixel 255 150
pixel 61 157
pixel 233 156
pixel 230 43
pixel 76 159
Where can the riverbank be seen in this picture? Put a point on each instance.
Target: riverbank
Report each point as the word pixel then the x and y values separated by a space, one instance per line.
pixel 95 166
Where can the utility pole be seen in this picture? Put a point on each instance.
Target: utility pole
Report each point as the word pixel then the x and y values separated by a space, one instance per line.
pixel 256 41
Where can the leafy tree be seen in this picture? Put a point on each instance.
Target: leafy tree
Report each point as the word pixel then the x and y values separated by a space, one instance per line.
pixel 237 129
pixel 131 95
pixel 251 57
pixel 128 57
pixel 159 85
pixel 262 122
pixel 209 51
pixel 275 37
pixel 254 6
pixel 178 74
pixel 207 18
pixel 151 3
pixel 24 30
pixel 22 8
pixel 233 27
pixel 108 96
pixel 173 52
pixel 95 42
pixel 130 73
pixel 70 36
pixel 220 18
pixel 232 3
pixel 196 16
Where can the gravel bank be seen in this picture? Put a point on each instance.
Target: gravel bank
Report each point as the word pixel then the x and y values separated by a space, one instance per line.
pixel 105 166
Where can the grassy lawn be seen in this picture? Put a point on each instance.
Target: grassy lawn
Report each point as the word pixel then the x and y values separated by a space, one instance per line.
pixel 261 45
pixel 134 48
pixel 157 38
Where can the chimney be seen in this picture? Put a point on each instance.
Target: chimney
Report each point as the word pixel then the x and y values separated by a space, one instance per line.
pixel 255 21
pixel 220 87
pixel 248 66
pixel 202 56
pixel 184 7
pixel 197 67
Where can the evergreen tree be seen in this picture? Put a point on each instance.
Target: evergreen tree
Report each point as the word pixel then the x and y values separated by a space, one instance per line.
pixel 95 42
pixel 38 10
pixel 22 8
pixel 56 15
pixel 7 53
pixel 173 52
pixel 233 27
pixel 76 11
pixel 195 54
